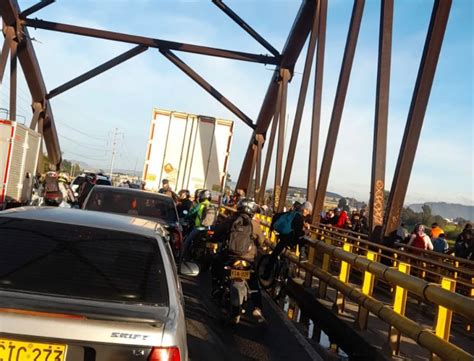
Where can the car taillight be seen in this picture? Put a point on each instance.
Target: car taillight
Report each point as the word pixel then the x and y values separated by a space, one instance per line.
pixel 178 239
pixel 164 354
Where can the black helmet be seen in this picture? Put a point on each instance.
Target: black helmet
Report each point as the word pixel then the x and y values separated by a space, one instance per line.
pixel 203 195
pixel 247 206
pixel 91 178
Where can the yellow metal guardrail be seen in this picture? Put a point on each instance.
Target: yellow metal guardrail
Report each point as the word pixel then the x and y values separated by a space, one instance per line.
pixel 443 296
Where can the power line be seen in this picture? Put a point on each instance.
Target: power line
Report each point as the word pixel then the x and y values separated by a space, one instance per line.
pixel 81 144
pixel 81 132
pixel 85 157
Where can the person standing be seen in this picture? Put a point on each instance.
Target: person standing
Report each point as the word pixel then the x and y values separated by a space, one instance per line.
pixel 166 189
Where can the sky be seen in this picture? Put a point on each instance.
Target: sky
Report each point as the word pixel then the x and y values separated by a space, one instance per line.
pixel 124 96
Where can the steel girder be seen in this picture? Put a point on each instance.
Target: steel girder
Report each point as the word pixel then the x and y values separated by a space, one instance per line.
pixel 9 10
pixel 291 51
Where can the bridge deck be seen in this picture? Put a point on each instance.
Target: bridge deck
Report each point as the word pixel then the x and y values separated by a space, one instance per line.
pixel 210 339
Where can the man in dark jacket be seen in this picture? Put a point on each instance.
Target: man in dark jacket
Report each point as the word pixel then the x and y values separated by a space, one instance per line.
pixel 289 239
pixel 244 217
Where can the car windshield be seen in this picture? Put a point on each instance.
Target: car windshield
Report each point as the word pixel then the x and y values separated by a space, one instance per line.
pixel 103 182
pixel 141 204
pixel 80 262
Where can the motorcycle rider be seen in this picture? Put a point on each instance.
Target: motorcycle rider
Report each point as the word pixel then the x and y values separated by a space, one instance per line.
pixel 245 229
pixel 184 203
pixel 52 195
pixel 86 187
pixel 204 214
pixel 68 194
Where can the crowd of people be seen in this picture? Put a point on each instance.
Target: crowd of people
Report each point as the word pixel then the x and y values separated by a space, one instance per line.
pixel 339 217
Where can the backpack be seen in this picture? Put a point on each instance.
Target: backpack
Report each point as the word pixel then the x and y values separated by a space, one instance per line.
pixel 283 224
pixel 209 215
pixel 240 238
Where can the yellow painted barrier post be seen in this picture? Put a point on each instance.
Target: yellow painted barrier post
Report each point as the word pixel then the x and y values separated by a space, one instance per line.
pixel 344 274
pixel 323 286
pixel 399 306
pixel 367 289
pixel 444 317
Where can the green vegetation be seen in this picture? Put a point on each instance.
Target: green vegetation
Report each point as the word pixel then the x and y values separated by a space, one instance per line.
pixel 410 218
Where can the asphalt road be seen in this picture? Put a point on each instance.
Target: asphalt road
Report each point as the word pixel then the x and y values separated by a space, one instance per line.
pixel 210 339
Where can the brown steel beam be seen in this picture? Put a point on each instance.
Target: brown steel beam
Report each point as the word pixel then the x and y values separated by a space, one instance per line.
pixel 421 94
pixel 150 42
pixel 9 11
pixel 294 44
pixel 35 8
pixel 246 27
pixel 206 86
pixel 377 188
pixel 13 79
pixel 268 157
pixel 285 78
pixel 5 51
pixel 37 112
pixel 97 70
pixel 317 101
pixel 339 100
pixel 299 109
pixel 258 166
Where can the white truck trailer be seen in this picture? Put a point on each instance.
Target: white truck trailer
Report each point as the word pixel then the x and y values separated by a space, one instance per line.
pixel 19 152
pixel 191 151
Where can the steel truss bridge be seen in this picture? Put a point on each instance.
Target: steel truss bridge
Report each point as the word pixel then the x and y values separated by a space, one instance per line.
pixel 333 253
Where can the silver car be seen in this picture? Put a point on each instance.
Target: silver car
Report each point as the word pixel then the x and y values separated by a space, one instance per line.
pixel 83 285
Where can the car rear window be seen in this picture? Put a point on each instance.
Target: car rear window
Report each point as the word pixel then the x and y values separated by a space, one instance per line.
pixel 103 182
pixel 142 204
pixel 80 262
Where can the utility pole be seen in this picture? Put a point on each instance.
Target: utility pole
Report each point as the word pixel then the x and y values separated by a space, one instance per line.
pixel 114 144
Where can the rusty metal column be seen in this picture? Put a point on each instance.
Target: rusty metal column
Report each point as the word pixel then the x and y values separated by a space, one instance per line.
pixel 285 77
pixel 421 94
pixel 339 100
pixel 317 100
pixel 5 51
pixel 377 188
pixel 271 141
pixel 13 79
pixel 299 108
pixel 258 165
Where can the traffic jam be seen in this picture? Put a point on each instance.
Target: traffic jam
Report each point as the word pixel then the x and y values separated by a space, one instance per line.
pixel 90 267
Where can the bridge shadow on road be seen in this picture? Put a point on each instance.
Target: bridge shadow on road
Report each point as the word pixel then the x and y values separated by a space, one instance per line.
pixel 209 338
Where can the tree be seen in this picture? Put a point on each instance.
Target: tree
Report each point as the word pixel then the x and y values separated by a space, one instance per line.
pixel 426 214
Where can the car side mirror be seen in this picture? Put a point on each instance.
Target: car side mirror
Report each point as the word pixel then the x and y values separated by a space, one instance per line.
pixel 189 269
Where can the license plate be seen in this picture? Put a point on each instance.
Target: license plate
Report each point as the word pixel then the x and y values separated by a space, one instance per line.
pixel 212 246
pixel 239 274
pixel 31 351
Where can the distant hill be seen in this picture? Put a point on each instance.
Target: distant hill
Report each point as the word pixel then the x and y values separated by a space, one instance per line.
pixel 447 210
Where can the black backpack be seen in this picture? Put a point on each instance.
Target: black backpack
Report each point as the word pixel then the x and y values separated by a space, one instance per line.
pixel 241 238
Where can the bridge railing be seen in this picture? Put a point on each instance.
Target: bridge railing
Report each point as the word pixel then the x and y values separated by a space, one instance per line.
pixel 343 256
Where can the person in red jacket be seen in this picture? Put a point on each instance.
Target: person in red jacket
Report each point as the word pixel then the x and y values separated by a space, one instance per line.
pixel 419 239
pixel 342 218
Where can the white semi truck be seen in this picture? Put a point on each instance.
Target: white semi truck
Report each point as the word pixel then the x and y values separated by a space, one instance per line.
pixel 19 152
pixel 191 151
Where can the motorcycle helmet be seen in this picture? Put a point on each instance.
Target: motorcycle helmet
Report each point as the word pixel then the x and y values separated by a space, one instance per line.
pixel 91 178
pixel 184 194
pixel 247 206
pixel 203 195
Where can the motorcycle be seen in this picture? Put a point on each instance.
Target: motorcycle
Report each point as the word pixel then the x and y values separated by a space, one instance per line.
pixel 204 248
pixel 233 290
